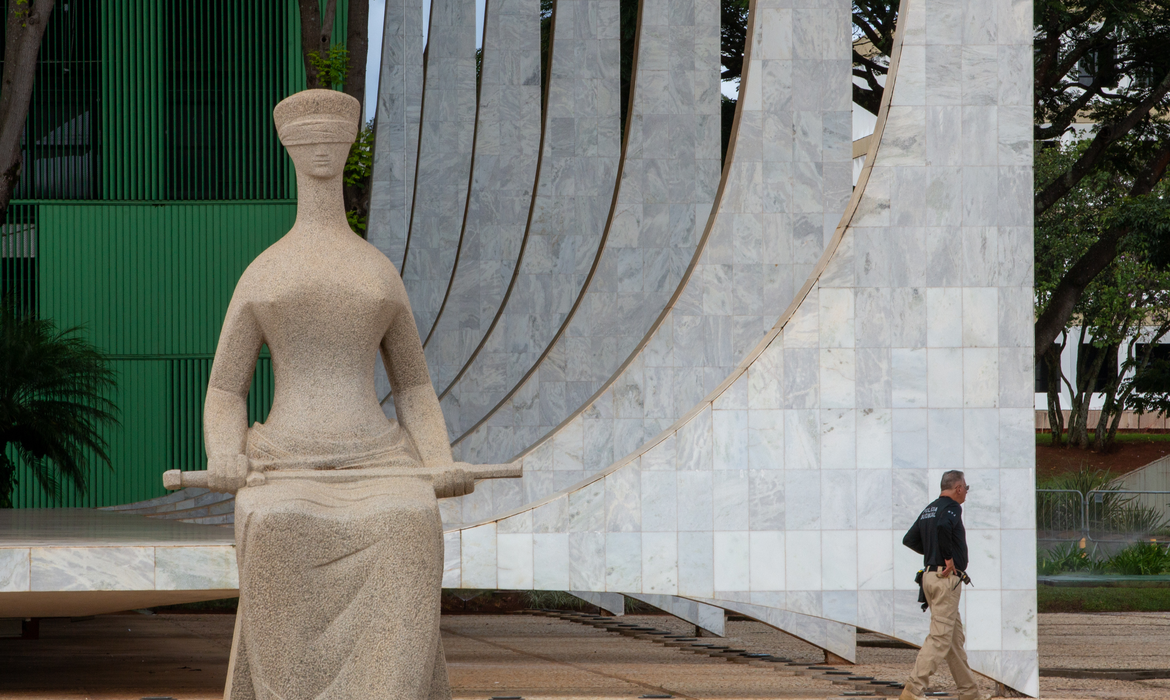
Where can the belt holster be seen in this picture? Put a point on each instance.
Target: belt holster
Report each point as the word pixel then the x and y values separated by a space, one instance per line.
pixel 921 593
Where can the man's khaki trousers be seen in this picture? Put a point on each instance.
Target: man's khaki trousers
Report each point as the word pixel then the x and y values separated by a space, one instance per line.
pixel 946 637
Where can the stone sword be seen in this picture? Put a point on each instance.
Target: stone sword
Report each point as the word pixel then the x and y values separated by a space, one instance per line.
pixel 455 479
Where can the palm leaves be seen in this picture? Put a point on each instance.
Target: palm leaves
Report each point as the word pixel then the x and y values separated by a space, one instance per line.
pixel 52 403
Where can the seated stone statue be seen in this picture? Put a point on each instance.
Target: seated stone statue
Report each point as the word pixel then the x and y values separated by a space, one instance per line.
pixel 339 580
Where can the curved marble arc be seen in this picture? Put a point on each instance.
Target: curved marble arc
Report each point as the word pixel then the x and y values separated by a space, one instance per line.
pixel 776 200
pixel 443 170
pixel 669 175
pixel 575 185
pixel 507 138
pixel 906 352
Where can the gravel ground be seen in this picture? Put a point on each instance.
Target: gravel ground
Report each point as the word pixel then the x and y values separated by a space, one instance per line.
pixel 129 656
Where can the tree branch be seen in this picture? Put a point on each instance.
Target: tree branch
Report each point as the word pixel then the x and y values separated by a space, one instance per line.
pixel 1099 255
pixel 1105 137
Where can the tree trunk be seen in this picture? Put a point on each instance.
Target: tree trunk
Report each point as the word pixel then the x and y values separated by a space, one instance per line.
pixel 25 27
pixel 357 44
pixel 1055 414
pixel 316 34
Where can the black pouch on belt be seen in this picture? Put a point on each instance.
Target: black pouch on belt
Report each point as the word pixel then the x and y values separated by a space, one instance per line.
pixel 921 593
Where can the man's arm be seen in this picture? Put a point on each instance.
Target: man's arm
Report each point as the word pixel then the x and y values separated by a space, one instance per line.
pixel 913 539
pixel 946 534
pixel 225 413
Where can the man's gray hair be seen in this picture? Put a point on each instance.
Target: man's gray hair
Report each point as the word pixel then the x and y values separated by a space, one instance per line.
pixel 952 479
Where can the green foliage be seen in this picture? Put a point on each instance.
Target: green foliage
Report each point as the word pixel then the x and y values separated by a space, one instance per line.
pixel 1108 510
pixel 1141 559
pixel 331 66
pixel 554 600
pixel 1051 599
pixel 52 403
pixel 1067 558
pixel 358 168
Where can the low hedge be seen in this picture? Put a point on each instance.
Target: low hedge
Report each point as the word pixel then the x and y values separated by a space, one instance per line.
pixel 1052 599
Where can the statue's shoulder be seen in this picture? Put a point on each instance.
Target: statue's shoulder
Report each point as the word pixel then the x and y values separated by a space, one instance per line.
pixel 378 261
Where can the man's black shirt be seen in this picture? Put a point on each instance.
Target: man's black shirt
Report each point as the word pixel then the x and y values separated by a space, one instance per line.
pixel 938 534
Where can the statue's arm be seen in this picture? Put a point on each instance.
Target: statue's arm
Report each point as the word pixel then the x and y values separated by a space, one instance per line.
pixel 415 401
pixel 225 414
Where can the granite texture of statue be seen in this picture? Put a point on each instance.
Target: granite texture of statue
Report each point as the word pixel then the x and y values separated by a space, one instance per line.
pixel 338 535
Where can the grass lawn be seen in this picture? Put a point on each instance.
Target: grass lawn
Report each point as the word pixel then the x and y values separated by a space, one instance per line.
pixel 1050 599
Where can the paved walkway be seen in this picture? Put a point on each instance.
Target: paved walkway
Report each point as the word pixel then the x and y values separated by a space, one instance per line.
pixel 131 656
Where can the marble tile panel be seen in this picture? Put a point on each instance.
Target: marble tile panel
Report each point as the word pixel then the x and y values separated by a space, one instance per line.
pixel 623 561
pixel 1018 618
pixel 874 499
pixel 1016 378
pixel 802 561
pixel 909 377
pixel 912 493
pixel 802 440
pixel 874 438
pixel 836 313
pixel 840 606
pixel 91 568
pixel 14 569
pixel 875 610
pixel 839 500
pixel 765 440
pixel 623 500
pixel 801 377
pixel 945 377
pixel 981 440
pixel 766 504
pixel 982 623
pixel 802 493
pixel 766 565
pixel 729 439
pixel 839 560
pixel 838 438
pixel 452 575
pixel 875 559
pixel 514 555
pixel 552 516
pixel 944 316
pixel 944 436
pixel 910 438
pixel 696 554
pixel 1017 438
pixel 731 561
pixel 659 502
pixel 695 491
pixel 984 549
pixel 695 443
pixel 660 562
pixel 477 551
pixel 1019 511
pixel 1018 553
pixel 980 377
pixel 587 508
pixel 838 377
pixel 587 560
pixel 550 552
pixel 730 493
pixel 195 568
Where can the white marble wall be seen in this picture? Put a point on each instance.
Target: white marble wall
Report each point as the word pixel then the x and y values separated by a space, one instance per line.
pixel 117 568
pixel 443 169
pixel 507 141
pixel 669 176
pixel 577 176
pixel 396 131
pixel 784 488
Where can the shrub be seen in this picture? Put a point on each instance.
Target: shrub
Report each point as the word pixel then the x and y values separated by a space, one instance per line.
pixel 1141 559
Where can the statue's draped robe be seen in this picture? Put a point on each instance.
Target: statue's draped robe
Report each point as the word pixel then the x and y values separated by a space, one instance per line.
pixel 348 573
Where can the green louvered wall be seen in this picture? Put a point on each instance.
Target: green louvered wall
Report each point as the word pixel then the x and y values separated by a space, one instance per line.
pixel 150 283
pixel 153 176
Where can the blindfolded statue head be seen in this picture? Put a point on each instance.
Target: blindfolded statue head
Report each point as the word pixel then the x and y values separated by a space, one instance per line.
pixel 317 127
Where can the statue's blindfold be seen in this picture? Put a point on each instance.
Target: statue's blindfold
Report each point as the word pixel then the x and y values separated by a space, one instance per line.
pixel 305 131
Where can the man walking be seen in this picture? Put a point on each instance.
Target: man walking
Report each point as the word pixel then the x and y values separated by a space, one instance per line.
pixel 938 535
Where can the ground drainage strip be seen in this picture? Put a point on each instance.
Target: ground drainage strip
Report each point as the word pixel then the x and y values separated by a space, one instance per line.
pixel 862 686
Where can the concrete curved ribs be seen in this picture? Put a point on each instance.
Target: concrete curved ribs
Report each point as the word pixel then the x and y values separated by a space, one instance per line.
pixel 667 186
pixel 578 171
pixel 444 158
pixel 507 139
pixel 784 491
pixel 396 133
